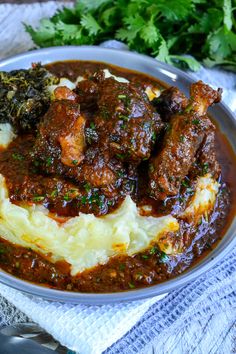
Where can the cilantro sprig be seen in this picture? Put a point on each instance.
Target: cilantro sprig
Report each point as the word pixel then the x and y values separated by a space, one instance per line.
pixel 168 30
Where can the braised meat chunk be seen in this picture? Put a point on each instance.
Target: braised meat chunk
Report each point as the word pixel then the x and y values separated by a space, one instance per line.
pixel 206 155
pixel 171 101
pixel 60 141
pixel 126 122
pixel 184 137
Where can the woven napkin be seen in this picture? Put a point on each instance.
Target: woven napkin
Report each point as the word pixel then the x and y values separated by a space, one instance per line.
pixel 128 327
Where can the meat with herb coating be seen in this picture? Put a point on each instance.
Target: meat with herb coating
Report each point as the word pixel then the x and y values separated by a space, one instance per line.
pixel 126 121
pixel 60 140
pixel 185 135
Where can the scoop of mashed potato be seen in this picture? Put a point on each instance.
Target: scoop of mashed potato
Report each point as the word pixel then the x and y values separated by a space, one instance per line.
pixel 83 241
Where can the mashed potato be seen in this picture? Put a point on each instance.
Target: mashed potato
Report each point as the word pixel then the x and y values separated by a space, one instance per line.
pixel 83 241
pixel 203 200
pixel 6 134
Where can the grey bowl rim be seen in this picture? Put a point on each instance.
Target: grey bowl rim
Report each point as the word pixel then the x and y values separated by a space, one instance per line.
pixel 131 295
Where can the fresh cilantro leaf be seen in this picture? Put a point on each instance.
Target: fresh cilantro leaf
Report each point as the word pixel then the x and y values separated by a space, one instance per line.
pixel 227 8
pixel 150 33
pixel 221 43
pixel 174 10
pixel 90 24
pixel 184 61
pixel 211 20
pixel 163 52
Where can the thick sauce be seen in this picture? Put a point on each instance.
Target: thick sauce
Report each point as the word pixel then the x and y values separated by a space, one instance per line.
pixel 121 272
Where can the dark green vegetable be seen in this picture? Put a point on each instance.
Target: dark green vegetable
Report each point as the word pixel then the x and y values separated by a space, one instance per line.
pixel 24 96
pixel 164 29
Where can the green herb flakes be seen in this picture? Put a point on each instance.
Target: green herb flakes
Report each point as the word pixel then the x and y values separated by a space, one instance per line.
pixel 38 198
pixel 17 156
pixel 163 257
pixel 131 285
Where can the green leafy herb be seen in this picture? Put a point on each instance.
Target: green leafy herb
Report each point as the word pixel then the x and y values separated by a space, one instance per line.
pixel 168 30
pixel 131 285
pixel 122 267
pixel 205 168
pixel 54 193
pixel 145 256
pixel 196 121
pixel 163 257
pixel 49 161
pixel 17 156
pixel 38 198
pixel 66 197
pixel 87 187
pixel 185 183
pixel 122 97
pixel 124 118
pixel 92 125
pixel 153 250
pixel 75 162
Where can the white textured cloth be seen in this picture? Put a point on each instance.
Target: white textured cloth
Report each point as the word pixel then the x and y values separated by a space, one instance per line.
pixel 173 325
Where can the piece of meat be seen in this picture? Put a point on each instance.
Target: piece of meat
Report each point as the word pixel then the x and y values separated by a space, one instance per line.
pixel 126 121
pixel 64 93
pixel 60 140
pixel 171 101
pixel 184 137
pixel 202 96
pixel 73 143
pixel 87 93
pixel 206 156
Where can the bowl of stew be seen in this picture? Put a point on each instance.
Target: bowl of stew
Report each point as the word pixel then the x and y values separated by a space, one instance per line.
pixel 117 175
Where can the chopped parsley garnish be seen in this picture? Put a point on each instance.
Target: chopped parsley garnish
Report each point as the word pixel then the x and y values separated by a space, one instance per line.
pixel 54 193
pixel 75 162
pixel 120 174
pixel 131 285
pixel 185 183
pixel 163 257
pixel 151 167
pixel 181 138
pixel 205 168
pixel 124 118
pixel 138 276
pixel 87 187
pixel 120 156
pixel 49 161
pixel 154 136
pixel 83 200
pixel 38 198
pixel 104 113
pixel 122 266
pixel 145 256
pixel 17 156
pixel 196 121
pixel 153 250
pixel 92 125
pixel 67 197
pixel 121 97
